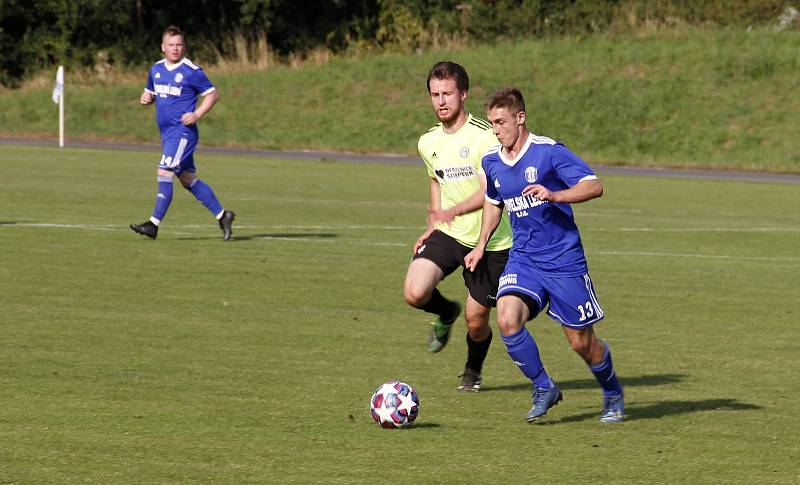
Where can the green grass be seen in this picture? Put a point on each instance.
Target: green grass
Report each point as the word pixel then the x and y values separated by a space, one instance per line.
pixel 190 360
pixel 683 98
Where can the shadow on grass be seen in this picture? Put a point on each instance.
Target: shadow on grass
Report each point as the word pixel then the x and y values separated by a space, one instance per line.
pixel 627 381
pixel 658 410
pixel 425 425
pixel 267 236
pixel 416 425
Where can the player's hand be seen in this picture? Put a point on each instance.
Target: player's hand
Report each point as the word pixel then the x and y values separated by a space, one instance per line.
pixel 472 259
pixel 189 118
pixel 436 216
pixel 540 192
pixel 421 241
pixel 146 98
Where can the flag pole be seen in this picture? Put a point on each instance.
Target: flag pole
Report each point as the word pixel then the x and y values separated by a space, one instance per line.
pixel 61 120
pixel 58 97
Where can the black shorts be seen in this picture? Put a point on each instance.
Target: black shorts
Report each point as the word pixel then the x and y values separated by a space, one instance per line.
pixel 448 254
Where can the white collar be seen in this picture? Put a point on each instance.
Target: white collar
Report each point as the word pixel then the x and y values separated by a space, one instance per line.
pixel 172 67
pixel 522 151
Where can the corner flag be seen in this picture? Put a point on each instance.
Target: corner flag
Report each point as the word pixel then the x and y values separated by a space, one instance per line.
pixel 58 90
pixel 58 98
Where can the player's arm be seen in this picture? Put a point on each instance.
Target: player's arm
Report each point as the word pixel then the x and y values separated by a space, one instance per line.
pixel 209 100
pixel 489 222
pixel 146 98
pixel 149 94
pixel 470 204
pixel 584 190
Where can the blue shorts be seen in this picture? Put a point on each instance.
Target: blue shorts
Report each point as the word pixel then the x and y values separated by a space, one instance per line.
pixel 571 299
pixel 178 152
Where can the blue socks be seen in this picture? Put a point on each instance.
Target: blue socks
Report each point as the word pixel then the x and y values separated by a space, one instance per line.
pixel 524 352
pixel 606 376
pixel 163 199
pixel 204 194
pixel 199 189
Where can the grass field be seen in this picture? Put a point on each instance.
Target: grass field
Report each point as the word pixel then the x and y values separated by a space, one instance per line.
pixel 713 98
pixel 190 360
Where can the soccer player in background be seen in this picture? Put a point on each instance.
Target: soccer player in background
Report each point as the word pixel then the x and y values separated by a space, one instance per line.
pixel 452 152
pixel 174 84
pixel 537 179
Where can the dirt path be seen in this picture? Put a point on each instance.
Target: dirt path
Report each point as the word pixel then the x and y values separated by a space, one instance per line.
pixel 405 160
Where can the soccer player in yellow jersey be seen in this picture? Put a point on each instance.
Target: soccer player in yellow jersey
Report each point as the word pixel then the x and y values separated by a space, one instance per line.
pixel 452 152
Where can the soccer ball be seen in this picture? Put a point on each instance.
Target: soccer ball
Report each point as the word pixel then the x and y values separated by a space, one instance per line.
pixel 394 405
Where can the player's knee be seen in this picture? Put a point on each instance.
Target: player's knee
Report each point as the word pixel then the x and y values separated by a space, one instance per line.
pixel 477 324
pixel 584 345
pixel 509 322
pixel 479 334
pixel 415 297
pixel 582 348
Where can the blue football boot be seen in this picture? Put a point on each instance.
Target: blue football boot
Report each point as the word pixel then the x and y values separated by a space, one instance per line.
pixel 543 399
pixel 613 409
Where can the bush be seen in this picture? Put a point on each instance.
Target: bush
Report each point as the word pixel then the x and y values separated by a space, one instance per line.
pixel 37 34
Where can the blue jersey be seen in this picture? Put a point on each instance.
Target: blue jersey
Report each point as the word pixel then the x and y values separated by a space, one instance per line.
pixel 544 233
pixel 176 89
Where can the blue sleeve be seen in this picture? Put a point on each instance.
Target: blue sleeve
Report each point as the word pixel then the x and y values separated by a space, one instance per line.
pixel 569 167
pixel 491 190
pixel 150 86
pixel 201 83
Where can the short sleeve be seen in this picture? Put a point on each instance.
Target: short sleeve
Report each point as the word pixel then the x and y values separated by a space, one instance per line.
pixel 421 150
pixel 201 83
pixel 570 168
pixel 150 86
pixel 492 195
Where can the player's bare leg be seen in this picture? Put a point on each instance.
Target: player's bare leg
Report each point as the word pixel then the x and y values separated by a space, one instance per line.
pixel 421 279
pixel 584 342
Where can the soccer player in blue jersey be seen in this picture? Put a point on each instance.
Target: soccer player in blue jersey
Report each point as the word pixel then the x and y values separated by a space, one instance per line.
pixel 174 84
pixel 536 179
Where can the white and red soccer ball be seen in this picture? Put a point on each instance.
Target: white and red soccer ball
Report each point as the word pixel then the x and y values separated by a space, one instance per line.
pixel 394 404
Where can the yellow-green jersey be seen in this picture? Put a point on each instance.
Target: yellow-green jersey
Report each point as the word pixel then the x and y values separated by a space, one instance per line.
pixel 454 160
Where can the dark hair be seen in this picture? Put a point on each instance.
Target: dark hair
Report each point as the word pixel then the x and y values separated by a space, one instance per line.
pixel 173 30
pixel 449 70
pixel 508 97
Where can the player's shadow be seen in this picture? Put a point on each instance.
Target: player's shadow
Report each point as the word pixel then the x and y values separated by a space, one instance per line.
pixel 627 381
pixel 268 236
pixel 659 410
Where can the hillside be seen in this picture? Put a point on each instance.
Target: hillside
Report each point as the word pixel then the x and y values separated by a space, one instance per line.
pixel 681 98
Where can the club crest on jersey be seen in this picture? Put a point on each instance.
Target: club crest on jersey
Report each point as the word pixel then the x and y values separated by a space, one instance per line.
pixel 455 174
pixel 178 77
pixel 464 152
pixel 531 174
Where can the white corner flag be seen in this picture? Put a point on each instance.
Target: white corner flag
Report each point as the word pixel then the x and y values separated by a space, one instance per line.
pixel 58 98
